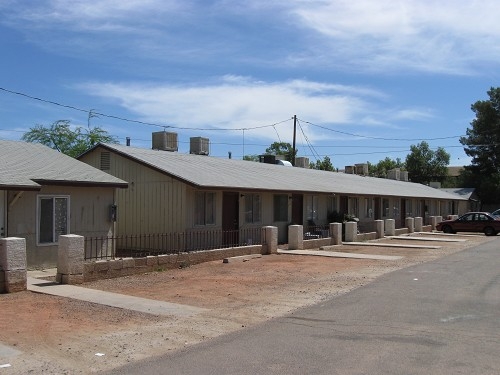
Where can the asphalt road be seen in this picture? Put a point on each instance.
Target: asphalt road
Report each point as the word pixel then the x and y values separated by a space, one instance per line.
pixel 441 317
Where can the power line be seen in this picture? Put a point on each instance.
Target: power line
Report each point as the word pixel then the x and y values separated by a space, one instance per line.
pixel 381 138
pixel 93 113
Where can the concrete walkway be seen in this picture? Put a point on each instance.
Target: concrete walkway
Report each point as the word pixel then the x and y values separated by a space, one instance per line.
pixel 122 301
pixel 336 254
pixel 420 238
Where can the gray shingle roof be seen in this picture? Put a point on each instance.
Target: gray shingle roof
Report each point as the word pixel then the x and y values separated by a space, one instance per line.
pixel 29 165
pixel 211 172
pixel 463 192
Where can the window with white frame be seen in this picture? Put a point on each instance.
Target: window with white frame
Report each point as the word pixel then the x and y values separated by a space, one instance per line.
pixel 312 207
pixel 204 208
pixel 280 206
pixel 252 208
pixel 368 207
pixel 53 218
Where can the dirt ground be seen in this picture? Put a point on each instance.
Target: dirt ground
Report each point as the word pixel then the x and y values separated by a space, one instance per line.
pixel 65 336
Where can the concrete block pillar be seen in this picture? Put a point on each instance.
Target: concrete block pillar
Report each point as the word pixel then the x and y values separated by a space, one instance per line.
pixel 390 227
pixel 419 224
pixel 271 236
pixel 13 276
pixel 336 233
pixel 351 231
pixel 435 220
pixel 70 259
pixel 452 217
pixel 379 228
pixel 410 224
pixel 295 237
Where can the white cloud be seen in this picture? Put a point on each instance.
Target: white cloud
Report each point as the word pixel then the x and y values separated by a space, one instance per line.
pixel 446 36
pixel 240 102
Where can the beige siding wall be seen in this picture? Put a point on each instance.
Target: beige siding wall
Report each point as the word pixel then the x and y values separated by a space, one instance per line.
pixel 89 216
pixel 153 202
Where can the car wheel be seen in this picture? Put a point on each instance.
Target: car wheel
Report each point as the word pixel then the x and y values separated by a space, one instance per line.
pixel 489 231
pixel 447 229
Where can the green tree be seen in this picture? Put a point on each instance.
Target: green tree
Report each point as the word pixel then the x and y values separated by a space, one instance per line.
pixel 425 165
pixel 482 144
pixel 383 166
pixel 282 148
pixel 70 141
pixel 324 165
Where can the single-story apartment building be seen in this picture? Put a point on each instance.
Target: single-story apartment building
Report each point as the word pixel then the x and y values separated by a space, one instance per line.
pixel 175 192
pixel 44 194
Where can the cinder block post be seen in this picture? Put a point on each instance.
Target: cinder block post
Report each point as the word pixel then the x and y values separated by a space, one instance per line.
pixel 418 224
pixel 70 259
pixel 379 228
pixel 435 220
pixel 351 231
pixel 410 224
pixel 13 264
pixel 295 237
pixel 271 236
pixel 390 227
pixel 336 232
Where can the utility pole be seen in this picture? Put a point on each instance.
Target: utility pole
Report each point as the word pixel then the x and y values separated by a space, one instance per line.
pixel 294 135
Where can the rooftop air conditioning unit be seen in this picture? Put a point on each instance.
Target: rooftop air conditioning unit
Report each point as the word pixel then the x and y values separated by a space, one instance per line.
pixel 302 162
pixel 165 141
pixel 361 169
pixel 199 146
pixel 349 169
pixel 268 159
pixel 394 174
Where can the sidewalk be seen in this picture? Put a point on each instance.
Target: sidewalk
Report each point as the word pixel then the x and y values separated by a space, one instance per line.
pixel 122 301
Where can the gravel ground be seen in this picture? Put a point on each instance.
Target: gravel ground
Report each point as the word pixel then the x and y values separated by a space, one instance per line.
pixel 57 335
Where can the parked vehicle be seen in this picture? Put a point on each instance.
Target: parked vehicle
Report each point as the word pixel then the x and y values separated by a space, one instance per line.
pixel 472 222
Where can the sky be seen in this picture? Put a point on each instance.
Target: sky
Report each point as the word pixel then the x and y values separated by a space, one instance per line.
pixel 365 79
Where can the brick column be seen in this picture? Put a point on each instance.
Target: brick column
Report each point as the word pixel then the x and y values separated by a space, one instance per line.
pixel 336 233
pixel 390 227
pixel 351 231
pixel 13 264
pixel 410 224
pixel 418 224
pixel 295 237
pixel 379 228
pixel 271 235
pixel 70 258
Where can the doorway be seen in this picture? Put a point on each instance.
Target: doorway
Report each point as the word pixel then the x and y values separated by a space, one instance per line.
pixel 230 219
pixel 3 229
pixel 297 209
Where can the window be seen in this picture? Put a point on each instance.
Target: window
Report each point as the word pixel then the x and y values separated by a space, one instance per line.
pixel 53 218
pixel 312 207
pixel 252 208
pixel 280 207
pixel 204 208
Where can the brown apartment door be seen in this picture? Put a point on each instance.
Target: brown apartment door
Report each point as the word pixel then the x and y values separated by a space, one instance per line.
pixel 403 213
pixel 377 209
pixel 297 209
pixel 3 232
pixel 230 218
